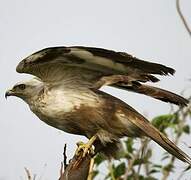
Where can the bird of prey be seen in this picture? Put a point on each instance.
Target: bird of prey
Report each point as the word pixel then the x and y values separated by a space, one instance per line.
pixel 65 94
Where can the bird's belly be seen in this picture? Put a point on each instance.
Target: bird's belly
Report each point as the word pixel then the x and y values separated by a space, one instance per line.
pixel 53 108
pixel 60 117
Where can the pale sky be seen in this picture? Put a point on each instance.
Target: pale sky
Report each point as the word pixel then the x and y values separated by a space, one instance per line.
pixel 150 30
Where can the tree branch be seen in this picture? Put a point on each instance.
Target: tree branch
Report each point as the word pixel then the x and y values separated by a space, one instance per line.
pixel 135 156
pixel 77 169
pixel 184 114
pixel 182 17
pixel 29 177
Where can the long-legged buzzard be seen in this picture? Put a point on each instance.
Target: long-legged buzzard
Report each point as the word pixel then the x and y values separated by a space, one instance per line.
pixel 65 94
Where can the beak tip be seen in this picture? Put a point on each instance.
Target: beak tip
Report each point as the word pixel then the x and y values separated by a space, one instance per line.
pixel 8 93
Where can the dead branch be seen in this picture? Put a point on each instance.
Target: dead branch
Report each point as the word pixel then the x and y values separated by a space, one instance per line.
pixel 65 157
pixel 182 17
pixel 29 177
pixel 77 169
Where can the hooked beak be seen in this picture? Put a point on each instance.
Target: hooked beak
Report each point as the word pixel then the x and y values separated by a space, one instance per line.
pixel 9 93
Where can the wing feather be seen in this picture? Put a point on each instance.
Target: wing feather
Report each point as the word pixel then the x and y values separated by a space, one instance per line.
pixel 156 135
pixel 154 92
pixel 127 60
pixel 107 62
pixel 89 65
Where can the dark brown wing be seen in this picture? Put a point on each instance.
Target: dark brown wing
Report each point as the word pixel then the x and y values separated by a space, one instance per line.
pixel 131 123
pixel 155 134
pixel 58 64
pixel 106 62
pixel 128 60
pixel 129 84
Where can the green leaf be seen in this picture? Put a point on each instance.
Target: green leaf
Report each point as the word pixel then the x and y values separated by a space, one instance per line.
pixel 140 177
pixel 157 166
pixel 150 178
pixel 123 155
pixel 165 156
pixel 98 159
pixel 168 168
pixel 153 171
pixel 164 121
pixel 186 129
pixel 129 145
pixel 140 161
pixel 148 154
pixel 95 173
pixel 127 155
pixel 188 168
pixel 119 170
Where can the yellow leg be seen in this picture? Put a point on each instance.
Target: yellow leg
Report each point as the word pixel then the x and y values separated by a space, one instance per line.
pixel 90 174
pixel 86 147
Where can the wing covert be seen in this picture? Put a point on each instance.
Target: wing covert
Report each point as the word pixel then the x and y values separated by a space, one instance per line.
pixel 53 61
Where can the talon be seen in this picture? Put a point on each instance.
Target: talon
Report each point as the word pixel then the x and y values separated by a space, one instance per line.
pixel 85 148
pixel 79 143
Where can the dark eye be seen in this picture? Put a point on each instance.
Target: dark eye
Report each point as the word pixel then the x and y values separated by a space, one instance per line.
pixel 21 86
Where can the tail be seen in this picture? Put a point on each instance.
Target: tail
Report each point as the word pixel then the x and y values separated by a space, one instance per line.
pixel 154 92
pixel 152 132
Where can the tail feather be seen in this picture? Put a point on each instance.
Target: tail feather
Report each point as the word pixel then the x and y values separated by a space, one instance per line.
pixel 155 92
pixel 152 132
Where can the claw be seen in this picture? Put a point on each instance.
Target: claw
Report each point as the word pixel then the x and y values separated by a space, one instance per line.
pixel 86 148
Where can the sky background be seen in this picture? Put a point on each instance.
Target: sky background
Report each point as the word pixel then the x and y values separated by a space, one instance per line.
pixel 150 30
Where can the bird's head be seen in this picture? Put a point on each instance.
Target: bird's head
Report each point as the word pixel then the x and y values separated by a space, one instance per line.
pixel 25 89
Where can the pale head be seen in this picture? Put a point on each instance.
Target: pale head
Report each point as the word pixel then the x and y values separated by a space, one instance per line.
pixel 25 89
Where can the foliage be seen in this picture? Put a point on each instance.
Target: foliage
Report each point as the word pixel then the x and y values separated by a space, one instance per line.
pixel 136 160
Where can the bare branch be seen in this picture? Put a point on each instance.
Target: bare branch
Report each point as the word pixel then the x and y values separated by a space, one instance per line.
pixel 77 169
pixel 182 17
pixel 65 157
pixel 135 156
pixel 29 177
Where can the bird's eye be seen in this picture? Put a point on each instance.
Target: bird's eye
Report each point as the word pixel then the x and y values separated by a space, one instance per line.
pixel 22 86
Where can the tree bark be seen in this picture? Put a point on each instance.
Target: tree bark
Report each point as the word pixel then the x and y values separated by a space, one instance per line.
pixel 77 169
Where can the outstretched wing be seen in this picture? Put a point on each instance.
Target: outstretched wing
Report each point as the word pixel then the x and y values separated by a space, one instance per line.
pixel 104 61
pixel 89 65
